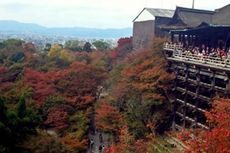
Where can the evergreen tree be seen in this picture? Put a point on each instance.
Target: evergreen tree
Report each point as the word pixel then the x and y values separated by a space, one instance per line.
pixel 2 111
pixel 21 107
pixel 87 47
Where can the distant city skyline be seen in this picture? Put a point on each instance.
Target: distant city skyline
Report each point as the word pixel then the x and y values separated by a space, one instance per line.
pixel 90 13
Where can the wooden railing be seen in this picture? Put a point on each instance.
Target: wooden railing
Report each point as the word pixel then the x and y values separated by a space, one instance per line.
pixel 188 56
pixel 173 47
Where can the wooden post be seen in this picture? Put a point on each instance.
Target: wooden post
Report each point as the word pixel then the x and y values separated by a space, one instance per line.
pixel 180 38
pixel 227 85
pixel 197 93
pixel 183 40
pixel 213 82
pixel 189 40
pixel 174 118
pixel 186 95
pixel 172 37
pixel 174 107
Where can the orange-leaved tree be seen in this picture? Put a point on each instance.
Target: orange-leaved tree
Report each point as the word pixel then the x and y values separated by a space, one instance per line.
pixel 217 139
pixel 141 87
pixel 108 118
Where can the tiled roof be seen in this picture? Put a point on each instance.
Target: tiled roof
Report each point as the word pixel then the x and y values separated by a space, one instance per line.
pixel 156 12
pixel 161 12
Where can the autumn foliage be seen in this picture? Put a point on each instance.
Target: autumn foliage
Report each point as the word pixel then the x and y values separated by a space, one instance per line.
pixel 126 90
pixel 78 84
pixel 216 140
pixel 124 46
pixel 4 84
pixel 57 118
pixel 128 144
pixel 138 84
pixel 145 74
pixel 59 85
pixel 108 118
pixel 73 143
pixel 41 83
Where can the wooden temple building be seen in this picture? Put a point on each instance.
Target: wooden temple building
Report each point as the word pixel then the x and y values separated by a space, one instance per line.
pixel 199 78
pixel 198 54
pixel 155 22
pixel 147 25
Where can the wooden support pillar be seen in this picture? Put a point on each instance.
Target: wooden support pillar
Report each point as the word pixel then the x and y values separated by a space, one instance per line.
pixel 197 93
pixel 189 40
pixel 186 96
pixel 184 110
pixel 194 40
pixel 174 104
pixel 174 117
pixel 213 82
pixel 197 81
pixel 184 41
pixel 172 37
pixel 227 89
pixel 198 41
pixel 180 40
pixel 177 74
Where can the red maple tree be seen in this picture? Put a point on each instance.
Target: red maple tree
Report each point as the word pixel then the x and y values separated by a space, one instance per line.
pixel 57 119
pixel 108 118
pixel 216 140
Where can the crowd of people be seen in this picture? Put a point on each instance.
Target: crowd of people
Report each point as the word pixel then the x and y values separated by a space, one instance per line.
pixel 202 51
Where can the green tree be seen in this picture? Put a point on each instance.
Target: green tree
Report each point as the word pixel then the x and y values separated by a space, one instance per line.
pixel 101 45
pixel 12 43
pixel 47 47
pixel 11 51
pixel 51 102
pixel 2 111
pixel 15 125
pixel 17 57
pixel 73 45
pixel 55 50
pixel 87 47
pixel 21 107
pixel 2 45
pixel 79 124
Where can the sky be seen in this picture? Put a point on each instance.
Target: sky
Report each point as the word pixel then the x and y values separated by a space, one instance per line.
pixel 90 13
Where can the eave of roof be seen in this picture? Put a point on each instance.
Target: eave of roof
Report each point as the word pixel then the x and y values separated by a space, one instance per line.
pixel 178 8
pixel 200 28
pixel 161 12
pixel 219 9
pixel 183 14
pixel 156 12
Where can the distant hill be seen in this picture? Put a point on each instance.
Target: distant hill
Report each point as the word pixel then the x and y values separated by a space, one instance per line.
pixel 14 27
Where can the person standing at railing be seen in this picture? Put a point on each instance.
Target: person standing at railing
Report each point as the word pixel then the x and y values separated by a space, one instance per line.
pixel 174 45
pixel 228 53
pixel 200 55
pixel 166 44
pixel 218 52
pixel 202 48
pixel 213 53
pixel 221 53
pixel 203 54
pixel 207 51
pixel 196 50
pixel 180 45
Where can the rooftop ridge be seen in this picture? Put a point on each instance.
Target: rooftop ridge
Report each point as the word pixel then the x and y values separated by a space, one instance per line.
pixel 194 10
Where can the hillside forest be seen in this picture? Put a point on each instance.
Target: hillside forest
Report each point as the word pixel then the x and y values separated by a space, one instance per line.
pixel 50 97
